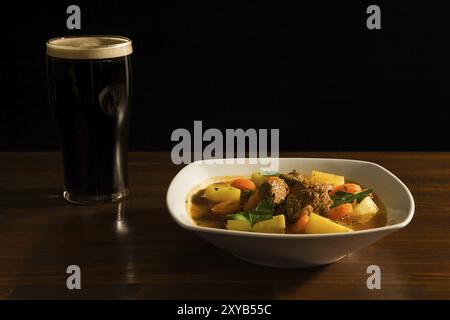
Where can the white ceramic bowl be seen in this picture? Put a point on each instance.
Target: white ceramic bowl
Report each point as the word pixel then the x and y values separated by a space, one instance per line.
pixel 294 250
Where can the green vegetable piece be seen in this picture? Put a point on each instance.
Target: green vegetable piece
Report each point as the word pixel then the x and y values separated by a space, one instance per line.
pixel 264 211
pixel 341 197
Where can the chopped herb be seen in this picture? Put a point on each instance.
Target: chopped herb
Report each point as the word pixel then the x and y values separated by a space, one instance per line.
pixel 264 211
pixel 264 207
pixel 341 197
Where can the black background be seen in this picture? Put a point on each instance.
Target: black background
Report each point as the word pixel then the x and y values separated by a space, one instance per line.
pixel 280 309
pixel 311 69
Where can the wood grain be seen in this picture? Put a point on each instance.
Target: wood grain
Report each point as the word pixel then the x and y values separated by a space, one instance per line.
pixel 135 250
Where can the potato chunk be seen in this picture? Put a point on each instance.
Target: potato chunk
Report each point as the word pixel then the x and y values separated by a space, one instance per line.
pixel 275 225
pixel 365 210
pixel 239 225
pixel 319 224
pixel 219 192
pixel 327 178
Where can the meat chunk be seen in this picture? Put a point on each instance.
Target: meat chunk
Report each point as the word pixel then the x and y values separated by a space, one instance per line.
pixel 274 189
pixel 295 194
pixel 306 194
pixel 293 178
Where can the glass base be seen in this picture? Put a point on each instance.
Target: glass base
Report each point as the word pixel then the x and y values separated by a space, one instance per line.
pixel 92 200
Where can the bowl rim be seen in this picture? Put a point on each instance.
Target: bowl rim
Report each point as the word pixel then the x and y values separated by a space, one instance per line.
pixel 201 229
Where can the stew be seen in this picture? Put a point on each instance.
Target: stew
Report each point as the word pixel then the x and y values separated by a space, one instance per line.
pixel 286 203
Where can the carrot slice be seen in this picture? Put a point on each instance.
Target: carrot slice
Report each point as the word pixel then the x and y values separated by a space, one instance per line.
pixel 252 202
pixel 347 187
pixel 340 211
pixel 299 225
pixel 225 207
pixel 244 184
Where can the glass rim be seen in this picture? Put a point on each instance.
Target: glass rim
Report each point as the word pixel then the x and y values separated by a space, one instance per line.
pixel 87 47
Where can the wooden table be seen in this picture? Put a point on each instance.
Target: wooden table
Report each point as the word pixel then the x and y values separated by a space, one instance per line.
pixel 135 250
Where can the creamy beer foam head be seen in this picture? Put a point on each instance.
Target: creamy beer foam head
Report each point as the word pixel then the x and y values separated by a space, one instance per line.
pixel 89 47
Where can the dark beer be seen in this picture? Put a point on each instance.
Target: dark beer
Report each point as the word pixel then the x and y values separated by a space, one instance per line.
pixel 89 90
